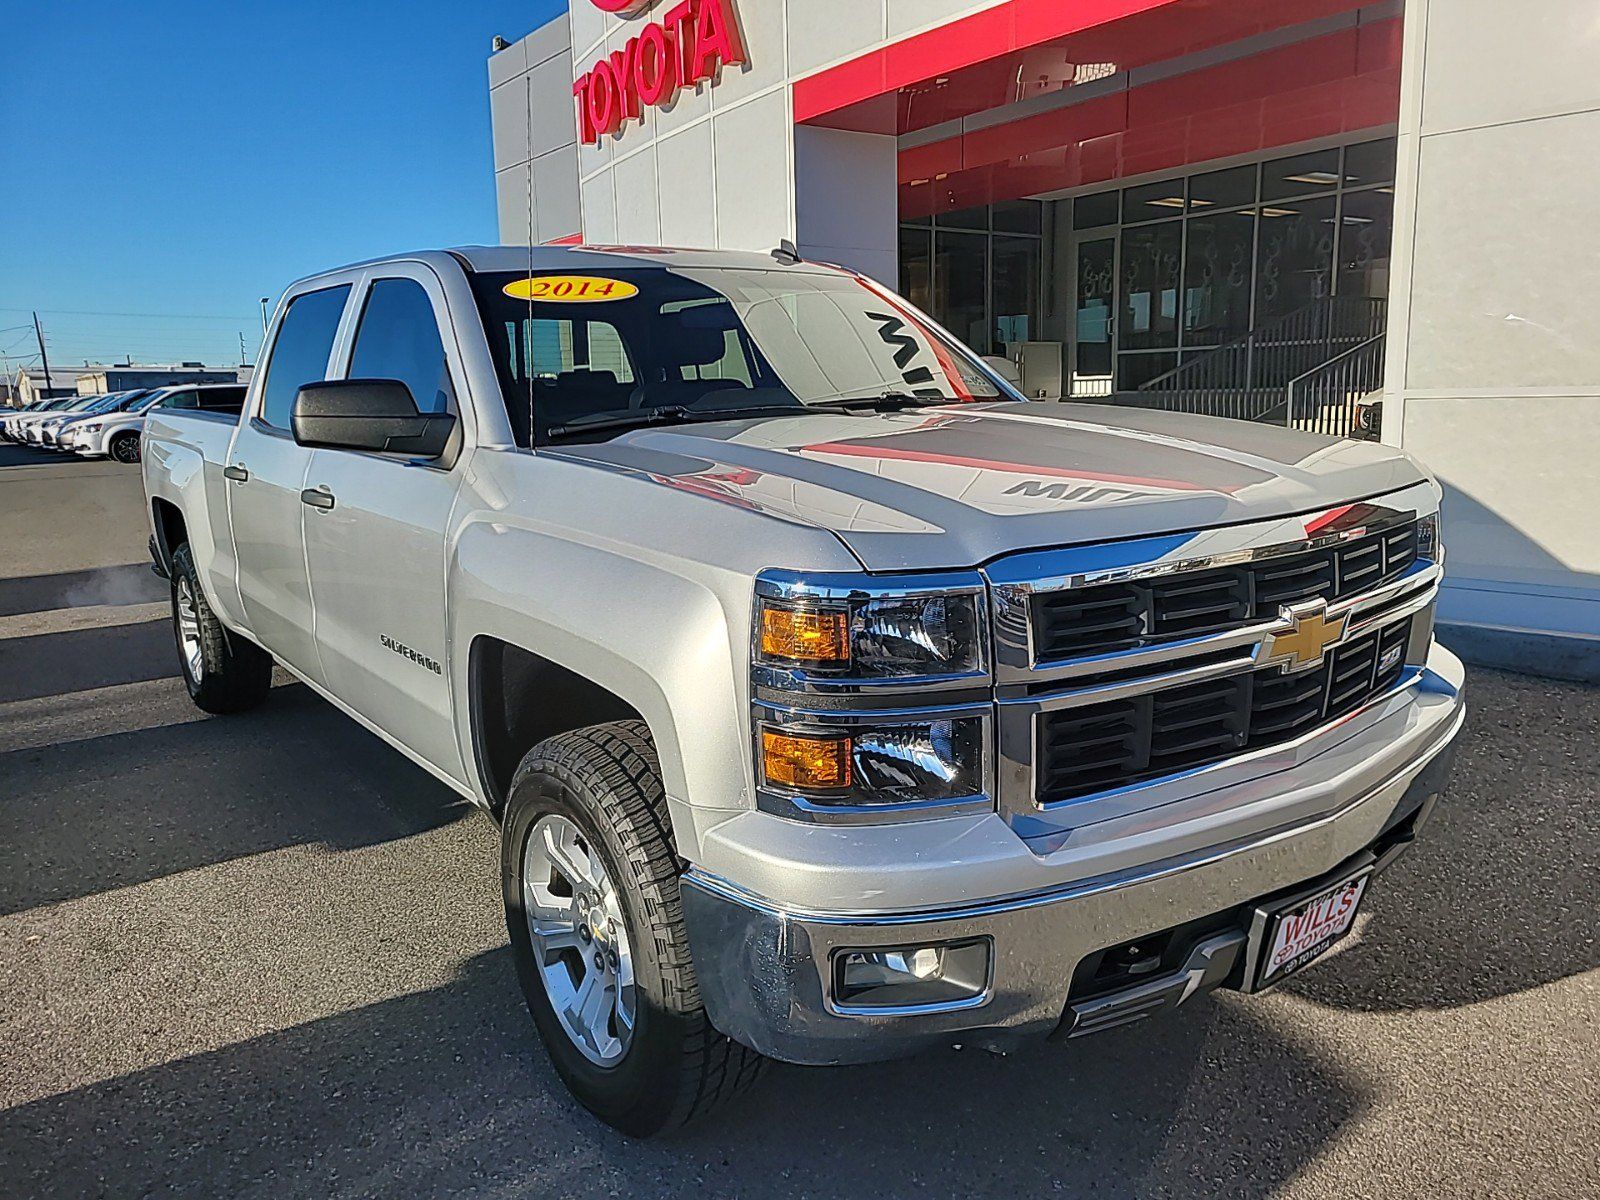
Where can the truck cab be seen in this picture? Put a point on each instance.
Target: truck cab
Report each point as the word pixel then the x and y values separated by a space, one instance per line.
pixel 834 701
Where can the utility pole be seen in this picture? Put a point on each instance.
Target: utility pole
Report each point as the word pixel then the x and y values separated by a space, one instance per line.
pixel 43 357
pixel 241 348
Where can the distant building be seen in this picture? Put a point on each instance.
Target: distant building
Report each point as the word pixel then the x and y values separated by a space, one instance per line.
pixel 28 385
pixel 96 379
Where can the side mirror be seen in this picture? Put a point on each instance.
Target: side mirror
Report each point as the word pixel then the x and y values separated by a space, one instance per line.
pixel 368 414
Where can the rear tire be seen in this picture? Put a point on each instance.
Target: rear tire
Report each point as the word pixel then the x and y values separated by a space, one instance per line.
pixel 124 448
pixel 224 672
pixel 593 799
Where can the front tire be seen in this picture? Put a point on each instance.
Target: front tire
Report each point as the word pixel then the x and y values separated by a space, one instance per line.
pixel 124 448
pixel 590 872
pixel 224 673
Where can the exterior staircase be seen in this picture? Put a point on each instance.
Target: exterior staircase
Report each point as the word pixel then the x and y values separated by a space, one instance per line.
pixel 1309 369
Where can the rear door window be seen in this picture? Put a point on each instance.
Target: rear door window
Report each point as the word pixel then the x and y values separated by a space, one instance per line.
pixel 300 353
pixel 398 338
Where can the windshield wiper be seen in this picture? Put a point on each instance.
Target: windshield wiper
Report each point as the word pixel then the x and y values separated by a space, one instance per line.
pixel 670 414
pixel 883 402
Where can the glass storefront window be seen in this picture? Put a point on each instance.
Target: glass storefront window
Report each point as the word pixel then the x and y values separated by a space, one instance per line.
pixel 1150 258
pixel 1016 290
pixel 1135 370
pixel 1368 163
pixel 1097 272
pixel 1300 175
pixel 1366 230
pixel 964 218
pixel 1222 189
pixel 1103 208
pixel 1294 256
pixel 916 266
pixel 960 298
pixel 1216 278
pixel 1018 216
pixel 1153 201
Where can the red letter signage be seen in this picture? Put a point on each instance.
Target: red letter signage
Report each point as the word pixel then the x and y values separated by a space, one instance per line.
pixel 697 37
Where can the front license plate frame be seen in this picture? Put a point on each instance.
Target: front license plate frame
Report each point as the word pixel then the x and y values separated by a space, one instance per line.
pixel 1272 956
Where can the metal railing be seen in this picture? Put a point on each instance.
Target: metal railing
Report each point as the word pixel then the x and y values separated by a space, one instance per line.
pixel 1327 398
pixel 1248 377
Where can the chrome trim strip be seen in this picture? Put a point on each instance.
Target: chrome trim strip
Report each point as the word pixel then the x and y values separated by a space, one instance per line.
pixel 727 890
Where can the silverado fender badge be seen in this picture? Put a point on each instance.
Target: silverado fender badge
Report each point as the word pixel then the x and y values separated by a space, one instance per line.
pixel 1309 633
pixel 422 660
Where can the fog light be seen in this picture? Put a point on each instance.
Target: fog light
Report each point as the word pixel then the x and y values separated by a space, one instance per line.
pixel 908 979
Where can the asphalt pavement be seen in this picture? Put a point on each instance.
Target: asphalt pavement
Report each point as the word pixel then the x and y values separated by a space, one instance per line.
pixel 264 956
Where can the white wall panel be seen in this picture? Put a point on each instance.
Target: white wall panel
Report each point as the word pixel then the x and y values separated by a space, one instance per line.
pixel 1506 274
pixel 687 197
pixel 754 195
pixel 599 209
pixel 906 16
pixel 557 213
pixel 638 209
pixel 552 119
pixel 511 201
pixel 846 189
pixel 761 25
pixel 1494 330
pixel 508 115
pixel 509 63
pixel 1489 61
pixel 821 31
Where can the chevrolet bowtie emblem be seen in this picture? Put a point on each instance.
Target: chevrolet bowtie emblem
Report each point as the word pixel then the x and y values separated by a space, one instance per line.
pixel 1311 631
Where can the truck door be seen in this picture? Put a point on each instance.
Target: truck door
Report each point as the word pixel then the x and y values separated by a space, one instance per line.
pixel 377 552
pixel 266 472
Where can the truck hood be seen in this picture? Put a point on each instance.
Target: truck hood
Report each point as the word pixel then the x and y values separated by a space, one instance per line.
pixel 958 485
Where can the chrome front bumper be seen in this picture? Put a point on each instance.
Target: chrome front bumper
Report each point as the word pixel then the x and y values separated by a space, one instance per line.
pixel 765 968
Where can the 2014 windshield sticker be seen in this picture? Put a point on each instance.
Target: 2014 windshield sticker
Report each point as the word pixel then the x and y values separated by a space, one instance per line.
pixel 570 289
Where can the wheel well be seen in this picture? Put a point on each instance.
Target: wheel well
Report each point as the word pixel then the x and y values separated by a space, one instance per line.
pixel 519 699
pixel 170 529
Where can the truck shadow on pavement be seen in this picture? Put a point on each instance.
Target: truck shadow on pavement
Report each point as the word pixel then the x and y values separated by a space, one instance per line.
pixel 446 1091
pixel 85 816
pixel 1500 893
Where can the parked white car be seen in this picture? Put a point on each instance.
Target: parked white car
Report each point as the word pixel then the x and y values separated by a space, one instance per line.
pixel 50 431
pixel 116 434
pixel 18 424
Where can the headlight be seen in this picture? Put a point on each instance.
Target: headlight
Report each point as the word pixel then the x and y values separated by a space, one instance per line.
pixel 94 428
pixel 871 695
pixel 865 630
pixel 874 766
pixel 1430 538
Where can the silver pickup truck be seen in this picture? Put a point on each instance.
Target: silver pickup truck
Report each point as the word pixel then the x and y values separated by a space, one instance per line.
pixel 833 700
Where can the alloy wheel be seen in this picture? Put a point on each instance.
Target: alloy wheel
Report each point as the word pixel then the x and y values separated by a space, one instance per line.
pixel 189 631
pixel 580 941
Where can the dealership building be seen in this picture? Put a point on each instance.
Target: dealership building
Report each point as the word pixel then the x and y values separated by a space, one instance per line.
pixel 1356 218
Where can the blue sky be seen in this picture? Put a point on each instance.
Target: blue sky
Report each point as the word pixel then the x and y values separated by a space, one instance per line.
pixel 168 163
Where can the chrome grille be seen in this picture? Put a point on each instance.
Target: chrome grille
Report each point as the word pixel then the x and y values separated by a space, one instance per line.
pixel 1074 622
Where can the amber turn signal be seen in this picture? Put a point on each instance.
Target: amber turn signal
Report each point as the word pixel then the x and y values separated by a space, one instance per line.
pixel 804 635
pixel 799 761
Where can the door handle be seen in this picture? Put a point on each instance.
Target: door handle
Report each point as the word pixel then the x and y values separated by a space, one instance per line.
pixel 236 473
pixel 317 499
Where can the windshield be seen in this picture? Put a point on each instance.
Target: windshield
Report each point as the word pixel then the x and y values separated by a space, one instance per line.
pixel 608 347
